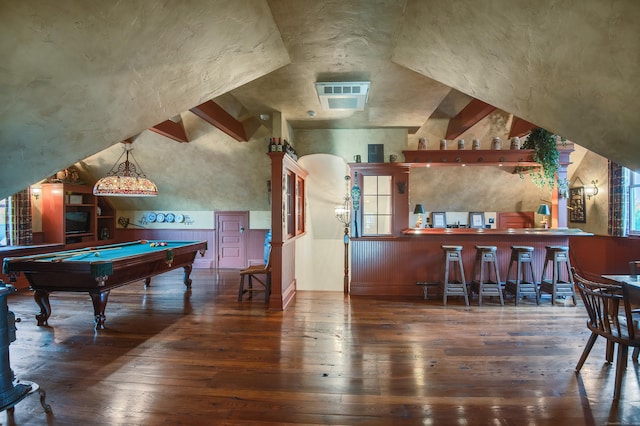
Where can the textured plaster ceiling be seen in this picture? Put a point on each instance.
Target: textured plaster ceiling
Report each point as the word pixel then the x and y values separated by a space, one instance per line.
pixel 78 77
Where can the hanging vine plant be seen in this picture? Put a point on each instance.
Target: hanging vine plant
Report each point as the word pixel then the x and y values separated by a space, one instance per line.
pixel 545 152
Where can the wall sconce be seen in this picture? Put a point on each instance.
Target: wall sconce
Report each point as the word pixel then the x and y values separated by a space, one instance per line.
pixel 419 210
pixel 544 210
pixel 35 192
pixel 591 191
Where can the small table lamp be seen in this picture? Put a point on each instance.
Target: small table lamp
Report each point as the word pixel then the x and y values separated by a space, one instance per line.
pixel 419 210
pixel 543 209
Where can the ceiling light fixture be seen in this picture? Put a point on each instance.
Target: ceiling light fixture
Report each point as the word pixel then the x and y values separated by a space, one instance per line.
pixel 124 180
pixel 349 96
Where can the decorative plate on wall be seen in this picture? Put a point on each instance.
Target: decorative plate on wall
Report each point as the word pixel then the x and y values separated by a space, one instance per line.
pixel 179 218
pixel 151 217
pixel 170 217
pixel 160 217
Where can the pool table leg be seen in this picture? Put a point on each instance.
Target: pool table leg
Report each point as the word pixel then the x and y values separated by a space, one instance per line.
pixel 42 299
pixel 99 304
pixel 187 273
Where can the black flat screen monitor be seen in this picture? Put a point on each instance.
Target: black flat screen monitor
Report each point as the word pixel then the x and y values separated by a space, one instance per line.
pixel 77 222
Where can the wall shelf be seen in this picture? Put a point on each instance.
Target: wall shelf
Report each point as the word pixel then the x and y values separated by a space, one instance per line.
pixel 508 158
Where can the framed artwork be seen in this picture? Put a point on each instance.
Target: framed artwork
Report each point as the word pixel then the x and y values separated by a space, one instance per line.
pixel 476 220
pixel 375 153
pixel 577 212
pixel 439 219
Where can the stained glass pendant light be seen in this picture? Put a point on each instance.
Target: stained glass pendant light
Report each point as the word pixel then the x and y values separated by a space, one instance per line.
pixel 124 180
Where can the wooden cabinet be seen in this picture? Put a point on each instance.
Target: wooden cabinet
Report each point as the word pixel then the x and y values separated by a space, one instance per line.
pixel 73 216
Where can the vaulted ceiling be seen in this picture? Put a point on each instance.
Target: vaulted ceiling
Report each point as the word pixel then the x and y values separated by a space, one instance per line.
pixel 78 77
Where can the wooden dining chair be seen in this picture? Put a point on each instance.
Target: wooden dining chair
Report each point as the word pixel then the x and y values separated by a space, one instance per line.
pixel 634 269
pixel 261 274
pixel 610 316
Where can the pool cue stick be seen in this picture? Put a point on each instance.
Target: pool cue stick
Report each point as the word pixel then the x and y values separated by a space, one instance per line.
pixel 68 254
pixel 92 252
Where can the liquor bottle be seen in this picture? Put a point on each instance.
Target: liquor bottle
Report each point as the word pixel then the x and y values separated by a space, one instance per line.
pixel 279 148
pixel 271 145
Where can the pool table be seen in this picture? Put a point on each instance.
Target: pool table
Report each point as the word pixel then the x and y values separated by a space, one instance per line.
pixel 97 270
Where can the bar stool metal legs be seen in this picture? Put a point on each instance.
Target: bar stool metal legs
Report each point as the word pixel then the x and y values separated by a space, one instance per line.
pixel 453 283
pixel 523 284
pixel 482 284
pixel 559 258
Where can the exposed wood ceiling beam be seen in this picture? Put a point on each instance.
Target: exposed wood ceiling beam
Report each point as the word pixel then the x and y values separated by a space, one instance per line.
pixel 214 114
pixel 475 111
pixel 171 130
pixel 520 127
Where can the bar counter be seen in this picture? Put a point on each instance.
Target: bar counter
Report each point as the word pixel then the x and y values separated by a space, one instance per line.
pixel 391 265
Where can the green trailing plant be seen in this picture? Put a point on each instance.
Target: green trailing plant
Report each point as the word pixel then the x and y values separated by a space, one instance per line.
pixel 545 152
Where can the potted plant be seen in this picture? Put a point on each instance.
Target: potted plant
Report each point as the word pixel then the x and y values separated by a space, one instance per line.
pixel 545 152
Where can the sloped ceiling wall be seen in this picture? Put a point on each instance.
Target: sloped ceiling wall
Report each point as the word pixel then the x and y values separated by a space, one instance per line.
pixel 571 67
pixel 77 77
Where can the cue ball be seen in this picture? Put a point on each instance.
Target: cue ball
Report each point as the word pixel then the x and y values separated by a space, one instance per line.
pixel 96 254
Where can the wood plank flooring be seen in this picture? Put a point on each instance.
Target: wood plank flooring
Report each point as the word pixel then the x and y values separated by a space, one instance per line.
pixel 174 357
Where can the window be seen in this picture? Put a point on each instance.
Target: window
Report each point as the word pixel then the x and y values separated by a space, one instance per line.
pixel 634 203
pixel 293 203
pixel 290 204
pixel 376 205
pixel 4 205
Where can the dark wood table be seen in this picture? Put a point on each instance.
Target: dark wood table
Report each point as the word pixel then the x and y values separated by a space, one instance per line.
pixel 97 270
pixel 633 284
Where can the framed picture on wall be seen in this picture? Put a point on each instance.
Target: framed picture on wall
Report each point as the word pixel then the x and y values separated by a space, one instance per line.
pixel 577 212
pixel 476 220
pixel 439 219
pixel 375 153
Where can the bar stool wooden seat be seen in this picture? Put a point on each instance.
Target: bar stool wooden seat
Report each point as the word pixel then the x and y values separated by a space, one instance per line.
pixel 558 257
pixel 453 283
pixel 486 262
pixel 523 284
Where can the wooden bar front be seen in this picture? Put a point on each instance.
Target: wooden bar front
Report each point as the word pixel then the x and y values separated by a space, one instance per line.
pixel 391 266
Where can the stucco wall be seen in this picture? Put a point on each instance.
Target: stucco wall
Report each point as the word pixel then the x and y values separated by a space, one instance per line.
pixel 593 167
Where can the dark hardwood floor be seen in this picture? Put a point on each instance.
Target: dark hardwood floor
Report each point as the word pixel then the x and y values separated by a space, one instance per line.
pixel 175 357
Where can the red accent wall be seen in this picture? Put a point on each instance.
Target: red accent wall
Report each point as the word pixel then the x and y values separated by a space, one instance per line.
pixel 602 254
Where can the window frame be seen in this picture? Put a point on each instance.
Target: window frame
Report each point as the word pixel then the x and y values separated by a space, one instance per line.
pixel 389 216
pixel 5 206
pixel 634 186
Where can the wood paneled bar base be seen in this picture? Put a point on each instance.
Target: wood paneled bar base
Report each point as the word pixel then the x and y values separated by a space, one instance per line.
pixel 391 266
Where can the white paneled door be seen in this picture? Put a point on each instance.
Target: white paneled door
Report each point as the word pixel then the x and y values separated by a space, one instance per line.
pixel 231 231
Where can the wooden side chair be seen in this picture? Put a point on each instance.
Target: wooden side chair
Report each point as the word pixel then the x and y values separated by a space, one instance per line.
pixel 603 303
pixel 261 274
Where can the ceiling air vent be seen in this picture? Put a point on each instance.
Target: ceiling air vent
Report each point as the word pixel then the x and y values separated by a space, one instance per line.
pixel 343 96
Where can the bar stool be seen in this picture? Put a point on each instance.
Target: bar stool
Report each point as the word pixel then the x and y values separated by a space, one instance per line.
pixel 559 258
pixel 486 262
pixel 455 285
pixel 522 258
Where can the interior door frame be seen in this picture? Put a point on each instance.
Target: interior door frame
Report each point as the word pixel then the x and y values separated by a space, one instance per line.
pixel 216 218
